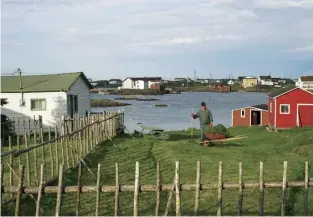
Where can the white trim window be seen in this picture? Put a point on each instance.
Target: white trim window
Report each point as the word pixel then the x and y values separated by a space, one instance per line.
pixel 38 104
pixel 284 109
pixel 271 105
pixel 242 113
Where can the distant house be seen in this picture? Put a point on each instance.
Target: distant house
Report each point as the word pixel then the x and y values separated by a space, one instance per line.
pixel 140 82
pixel 180 79
pixel 256 115
pixel 305 82
pixel 265 81
pixel 51 96
pixel 291 108
pixel 117 82
pixel 231 82
pixel 249 82
pixel 202 81
pixel 240 79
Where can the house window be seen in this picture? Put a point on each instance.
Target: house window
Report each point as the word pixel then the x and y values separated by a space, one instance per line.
pixel 270 106
pixel 38 104
pixel 75 103
pixel 242 113
pixel 285 109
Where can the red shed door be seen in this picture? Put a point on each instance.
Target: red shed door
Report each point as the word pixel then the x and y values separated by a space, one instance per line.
pixel 305 113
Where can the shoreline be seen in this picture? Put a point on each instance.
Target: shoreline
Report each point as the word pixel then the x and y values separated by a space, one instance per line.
pixel 102 103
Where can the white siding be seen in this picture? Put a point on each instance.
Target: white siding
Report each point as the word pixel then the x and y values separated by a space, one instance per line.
pixel 307 85
pixel 127 84
pixel 55 106
pixel 56 103
pixel 137 84
pixel 81 89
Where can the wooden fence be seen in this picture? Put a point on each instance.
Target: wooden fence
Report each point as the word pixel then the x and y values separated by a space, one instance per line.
pixel 25 124
pixel 67 144
pixel 174 189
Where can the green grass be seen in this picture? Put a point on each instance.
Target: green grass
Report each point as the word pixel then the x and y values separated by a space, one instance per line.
pixel 294 146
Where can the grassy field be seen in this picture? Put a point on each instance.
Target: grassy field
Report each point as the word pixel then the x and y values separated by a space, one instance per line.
pixel 294 146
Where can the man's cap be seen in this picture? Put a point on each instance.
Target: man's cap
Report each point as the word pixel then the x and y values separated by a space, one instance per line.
pixel 203 104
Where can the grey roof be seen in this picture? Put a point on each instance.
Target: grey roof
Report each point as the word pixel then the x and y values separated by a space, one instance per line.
pixel 261 106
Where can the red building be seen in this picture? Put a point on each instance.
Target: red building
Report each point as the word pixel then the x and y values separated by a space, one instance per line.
pixel 256 115
pixel 291 109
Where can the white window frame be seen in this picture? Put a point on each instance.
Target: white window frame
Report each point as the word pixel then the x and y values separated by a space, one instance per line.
pixel 41 109
pixel 244 113
pixel 281 105
pixel 271 105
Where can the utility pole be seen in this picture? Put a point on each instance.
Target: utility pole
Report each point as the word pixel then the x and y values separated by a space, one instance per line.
pixel 19 71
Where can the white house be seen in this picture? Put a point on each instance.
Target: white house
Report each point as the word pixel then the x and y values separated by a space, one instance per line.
pixel 305 82
pixel 51 96
pixel 265 81
pixel 140 82
pixel 230 82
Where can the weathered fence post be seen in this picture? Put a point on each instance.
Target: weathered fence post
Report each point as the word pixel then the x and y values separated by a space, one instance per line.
pixel 197 200
pixel 283 203
pixel 136 190
pixel 117 190
pixel 220 188
pixel 306 190
pixel 11 165
pixel 261 202
pixel 59 193
pixel 177 189
pixel 79 177
pixel 19 192
pixel 98 191
pixel 158 189
pixel 26 139
pixel 240 200
pixel 40 188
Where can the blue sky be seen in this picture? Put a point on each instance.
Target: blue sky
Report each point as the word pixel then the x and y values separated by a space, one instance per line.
pixel 168 38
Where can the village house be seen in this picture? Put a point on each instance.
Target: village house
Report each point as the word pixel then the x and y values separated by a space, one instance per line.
pixel 256 115
pixel 292 108
pixel 231 82
pixel 305 82
pixel 249 82
pixel 140 82
pixel 265 81
pixel 52 96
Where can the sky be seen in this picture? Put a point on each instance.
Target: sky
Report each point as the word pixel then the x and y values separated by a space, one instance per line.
pixel 169 38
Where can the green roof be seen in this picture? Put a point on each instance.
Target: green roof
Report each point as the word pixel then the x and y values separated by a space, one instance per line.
pixel 41 83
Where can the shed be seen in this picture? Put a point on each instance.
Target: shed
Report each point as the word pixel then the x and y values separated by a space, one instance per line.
pixel 291 108
pixel 256 115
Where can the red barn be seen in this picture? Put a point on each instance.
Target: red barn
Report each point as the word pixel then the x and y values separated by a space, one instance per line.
pixel 291 108
pixel 256 115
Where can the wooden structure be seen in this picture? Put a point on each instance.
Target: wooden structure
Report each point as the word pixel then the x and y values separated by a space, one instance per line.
pixel 292 108
pixel 256 115
pixel 19 187
pixel 66 144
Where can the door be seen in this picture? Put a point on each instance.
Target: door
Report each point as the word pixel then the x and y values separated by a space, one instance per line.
pixel 146 84
pixel 255 117
pixel 305 115
pixel 70 108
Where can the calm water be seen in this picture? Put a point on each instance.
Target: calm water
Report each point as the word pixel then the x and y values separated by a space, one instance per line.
pixel 177 115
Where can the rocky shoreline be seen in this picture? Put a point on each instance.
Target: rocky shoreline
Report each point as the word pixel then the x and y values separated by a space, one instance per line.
pixel 106 103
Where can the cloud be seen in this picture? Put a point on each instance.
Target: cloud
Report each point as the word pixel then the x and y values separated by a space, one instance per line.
pixel 279 4
pixel 308 48
pixel 67 32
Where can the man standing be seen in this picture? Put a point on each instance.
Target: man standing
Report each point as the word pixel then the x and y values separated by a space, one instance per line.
pixel 205 117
